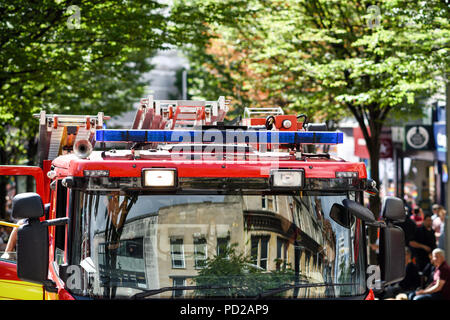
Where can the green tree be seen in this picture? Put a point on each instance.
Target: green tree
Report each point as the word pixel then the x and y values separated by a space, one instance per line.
pixel 368 59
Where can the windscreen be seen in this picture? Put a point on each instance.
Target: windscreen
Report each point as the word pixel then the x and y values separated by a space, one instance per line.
pixel 213 245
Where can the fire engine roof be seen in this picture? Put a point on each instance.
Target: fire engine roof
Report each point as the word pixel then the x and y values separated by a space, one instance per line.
pixel 71 165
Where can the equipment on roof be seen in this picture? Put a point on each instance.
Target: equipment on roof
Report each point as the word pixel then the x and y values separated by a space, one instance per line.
pixel 58 133
pixel 186 124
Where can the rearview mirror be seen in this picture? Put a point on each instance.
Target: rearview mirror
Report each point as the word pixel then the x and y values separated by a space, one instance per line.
pixel 32 252
pixel 392 254
pixel 340 215
pixel 361 212
pixel 393 209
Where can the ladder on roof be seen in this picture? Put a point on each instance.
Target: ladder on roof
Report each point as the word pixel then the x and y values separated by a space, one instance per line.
pixel 162 114
pixel 60 132
pixel 275 111
pixel 261 113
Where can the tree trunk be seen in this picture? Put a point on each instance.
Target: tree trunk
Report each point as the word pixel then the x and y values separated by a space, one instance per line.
pixel 374 203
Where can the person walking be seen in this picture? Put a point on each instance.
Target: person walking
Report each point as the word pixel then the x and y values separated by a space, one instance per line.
pixel 408 226
pixel 424 242
pixel 439 227
pixel 418 216
pixel 435 209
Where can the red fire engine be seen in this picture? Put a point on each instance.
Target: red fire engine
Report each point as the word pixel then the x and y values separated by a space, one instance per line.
pixel 185 205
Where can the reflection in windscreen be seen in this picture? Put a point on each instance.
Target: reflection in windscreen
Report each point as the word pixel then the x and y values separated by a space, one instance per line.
pixel 223 245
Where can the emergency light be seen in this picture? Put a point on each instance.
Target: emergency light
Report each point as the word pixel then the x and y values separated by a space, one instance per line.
pixel 225 136
pixel 346 174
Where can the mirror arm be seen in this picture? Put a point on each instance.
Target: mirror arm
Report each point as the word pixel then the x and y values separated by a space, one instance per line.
pixel 377 224
pixel 55 222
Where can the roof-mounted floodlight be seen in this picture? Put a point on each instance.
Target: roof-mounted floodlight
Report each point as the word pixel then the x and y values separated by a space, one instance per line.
pixel 287 178
pixel 159 178
pixel 218 136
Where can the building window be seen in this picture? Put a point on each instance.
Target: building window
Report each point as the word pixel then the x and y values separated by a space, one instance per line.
pixel 260 250
pixel 281 252
pixel 177 253
pixel 200 252
pixel 178 282
pixel 269 203
pixel 264 202
pixel 307 263
pixel 222 245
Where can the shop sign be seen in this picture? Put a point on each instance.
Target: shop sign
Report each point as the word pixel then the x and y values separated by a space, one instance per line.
pixel 440 136
pixel 419 137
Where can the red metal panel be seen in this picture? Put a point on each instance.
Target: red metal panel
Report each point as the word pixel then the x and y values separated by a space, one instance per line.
pixel 8 271
pixel 132 168
pixel 36 172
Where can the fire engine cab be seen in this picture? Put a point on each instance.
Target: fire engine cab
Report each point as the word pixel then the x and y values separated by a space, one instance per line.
pixel 185 205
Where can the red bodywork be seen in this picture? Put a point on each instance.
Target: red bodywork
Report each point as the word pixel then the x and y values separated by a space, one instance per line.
pixel 72 166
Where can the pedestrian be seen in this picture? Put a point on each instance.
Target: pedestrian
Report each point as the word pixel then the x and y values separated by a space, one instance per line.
pixel 412 278
pixel 418 216
pixel 10 249
pixel 435 209
pixel 427 273
pixel 411 281
pixel 3 238
pixel 409 227
pixel 438 223
pixel 439 289
pixel 424 242
pixel 441 242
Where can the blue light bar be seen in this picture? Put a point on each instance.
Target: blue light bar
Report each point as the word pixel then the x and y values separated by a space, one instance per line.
pixel 218 136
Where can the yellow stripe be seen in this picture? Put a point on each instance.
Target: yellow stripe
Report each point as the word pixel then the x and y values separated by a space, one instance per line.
pixel 20 290
pixel 8 224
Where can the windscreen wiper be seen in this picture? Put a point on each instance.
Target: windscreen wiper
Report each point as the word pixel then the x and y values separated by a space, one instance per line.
pixel 287 287
pixel 151 292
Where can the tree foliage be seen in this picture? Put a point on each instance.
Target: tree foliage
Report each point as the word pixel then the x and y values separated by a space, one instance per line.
pixel 74 57
pixel 77 57
pixel 329 59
